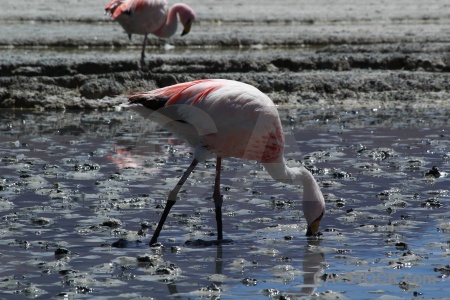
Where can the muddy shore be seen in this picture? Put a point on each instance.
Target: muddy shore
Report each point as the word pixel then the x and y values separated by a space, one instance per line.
pixel 70 55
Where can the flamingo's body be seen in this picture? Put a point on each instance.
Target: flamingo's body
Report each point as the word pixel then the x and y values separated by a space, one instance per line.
pixel 150 16
pixel 225 118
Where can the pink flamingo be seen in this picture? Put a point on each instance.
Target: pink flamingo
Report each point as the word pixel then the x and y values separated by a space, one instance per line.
pixel 225 118
pixel 150 16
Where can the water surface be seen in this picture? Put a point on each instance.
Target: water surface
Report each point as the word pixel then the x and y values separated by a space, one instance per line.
pixel 73 183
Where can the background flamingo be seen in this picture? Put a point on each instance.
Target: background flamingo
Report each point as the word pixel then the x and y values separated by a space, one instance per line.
pixel 150 16
pixel 225 118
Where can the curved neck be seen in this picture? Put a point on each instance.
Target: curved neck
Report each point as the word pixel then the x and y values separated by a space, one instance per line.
pixel 281 172
pixel 313 203
pixel 170 26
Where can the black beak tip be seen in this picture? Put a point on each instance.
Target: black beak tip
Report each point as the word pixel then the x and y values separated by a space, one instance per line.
pixel 309 233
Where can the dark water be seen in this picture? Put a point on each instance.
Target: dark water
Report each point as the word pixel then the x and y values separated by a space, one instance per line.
pixel 80 181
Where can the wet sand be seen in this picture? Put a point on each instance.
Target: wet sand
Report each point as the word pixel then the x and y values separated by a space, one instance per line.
pixel 70 55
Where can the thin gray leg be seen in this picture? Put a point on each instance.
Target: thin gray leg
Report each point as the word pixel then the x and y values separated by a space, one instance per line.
pixel 143 51
pixel 218 200
pixel 171 201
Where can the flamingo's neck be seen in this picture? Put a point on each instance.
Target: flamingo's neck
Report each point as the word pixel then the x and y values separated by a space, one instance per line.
pixel 170 26
pixel 313 203
pixel 281 172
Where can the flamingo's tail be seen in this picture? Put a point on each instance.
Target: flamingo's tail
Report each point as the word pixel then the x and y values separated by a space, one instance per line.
pixel 115 8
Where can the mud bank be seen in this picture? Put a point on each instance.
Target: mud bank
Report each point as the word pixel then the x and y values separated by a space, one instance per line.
pixel 327 53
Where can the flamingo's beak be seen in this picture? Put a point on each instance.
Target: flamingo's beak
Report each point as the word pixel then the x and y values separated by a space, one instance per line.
pixel 187 28
pixel 313 228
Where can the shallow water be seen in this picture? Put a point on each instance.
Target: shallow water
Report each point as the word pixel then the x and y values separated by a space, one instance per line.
pixel 80 181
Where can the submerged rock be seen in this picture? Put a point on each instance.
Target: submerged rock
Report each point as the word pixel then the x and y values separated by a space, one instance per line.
pixel 61 253
pixel 113 223
pixel 433 172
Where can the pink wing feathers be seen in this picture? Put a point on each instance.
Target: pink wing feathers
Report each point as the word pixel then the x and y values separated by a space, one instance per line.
pixel 178 94
pixel 117 7
pixel 227 118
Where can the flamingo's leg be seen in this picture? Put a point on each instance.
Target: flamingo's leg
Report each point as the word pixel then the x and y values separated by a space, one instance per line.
pixel 143 50
pixel 218 199
pixel 171 200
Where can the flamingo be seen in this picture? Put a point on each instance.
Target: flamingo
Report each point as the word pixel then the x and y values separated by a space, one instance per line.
pixel 224 118
pixel 150 16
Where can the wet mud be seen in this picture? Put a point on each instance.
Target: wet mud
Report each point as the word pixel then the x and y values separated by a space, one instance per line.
pixel 70 55
pixel 81 193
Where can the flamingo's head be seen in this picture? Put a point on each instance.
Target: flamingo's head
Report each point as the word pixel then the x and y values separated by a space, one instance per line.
pixel 313 203
pixel 313 228
pixel 187 17
pixel 313 206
